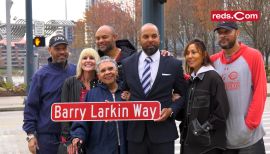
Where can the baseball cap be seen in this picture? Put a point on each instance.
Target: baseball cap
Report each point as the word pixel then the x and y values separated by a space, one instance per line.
pixel 226 25
pixel 58 39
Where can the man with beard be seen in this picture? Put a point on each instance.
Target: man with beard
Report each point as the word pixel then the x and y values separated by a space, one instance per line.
pixel 242 70
pixel 42 133
pixel 148 76
pixel 108 45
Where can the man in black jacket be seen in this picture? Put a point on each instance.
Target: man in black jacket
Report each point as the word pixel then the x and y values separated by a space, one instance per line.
pixel 108 45
pixel 151 77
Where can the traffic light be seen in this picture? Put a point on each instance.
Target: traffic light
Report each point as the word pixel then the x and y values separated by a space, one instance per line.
pixel 39 41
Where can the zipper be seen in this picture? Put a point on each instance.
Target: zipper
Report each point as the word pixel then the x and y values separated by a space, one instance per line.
pixel 190 100
pixel 117 125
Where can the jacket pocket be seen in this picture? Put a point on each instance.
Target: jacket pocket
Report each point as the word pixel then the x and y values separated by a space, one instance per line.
pixel 197 135
pixel 244 134
pixel 201 101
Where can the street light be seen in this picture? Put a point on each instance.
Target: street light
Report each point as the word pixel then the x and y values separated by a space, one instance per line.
pixel 8 38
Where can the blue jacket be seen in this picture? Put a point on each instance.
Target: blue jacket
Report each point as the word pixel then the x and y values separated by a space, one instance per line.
pixel 45 90
pixel 101 137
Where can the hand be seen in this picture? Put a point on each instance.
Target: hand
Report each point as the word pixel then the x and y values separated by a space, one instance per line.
pixel 125 95
pixel 73 147
pixel 175 96
pixel 33 145
pixel 165 113
pixel 165 53
pixel 70 149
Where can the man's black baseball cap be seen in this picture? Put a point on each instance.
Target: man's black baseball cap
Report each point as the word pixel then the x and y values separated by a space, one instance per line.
pixel 58 39
pixel 226 25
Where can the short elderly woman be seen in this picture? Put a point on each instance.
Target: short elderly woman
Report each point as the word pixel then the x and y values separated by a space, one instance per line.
pixel 102 137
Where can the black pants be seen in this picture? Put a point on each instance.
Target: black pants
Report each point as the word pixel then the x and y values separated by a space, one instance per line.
pixel 215 151
pixel 148 147
pixel 48 143
pixel 257 148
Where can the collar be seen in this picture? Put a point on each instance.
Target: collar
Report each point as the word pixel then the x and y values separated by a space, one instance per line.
pixel 201 72
pixel 103 86
pixel 234 56
pixel 57 65
pixel 118 56
pixel 155 57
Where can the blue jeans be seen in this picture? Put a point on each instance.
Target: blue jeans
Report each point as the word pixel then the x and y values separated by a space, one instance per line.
pixel 257 148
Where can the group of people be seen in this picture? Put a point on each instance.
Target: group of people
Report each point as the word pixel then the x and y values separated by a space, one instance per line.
pixel 219 102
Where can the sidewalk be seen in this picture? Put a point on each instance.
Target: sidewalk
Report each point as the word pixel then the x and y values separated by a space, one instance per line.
pixel 15 103
pixel 12 103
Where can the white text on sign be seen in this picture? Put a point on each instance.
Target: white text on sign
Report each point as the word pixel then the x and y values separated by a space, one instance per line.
pixel 99 111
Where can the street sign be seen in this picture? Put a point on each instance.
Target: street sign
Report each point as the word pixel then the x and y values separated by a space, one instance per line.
pixel 100 111
pixel 39 28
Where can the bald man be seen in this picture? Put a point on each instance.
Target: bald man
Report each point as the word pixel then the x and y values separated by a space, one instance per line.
pixel 148 76
pixel 108 45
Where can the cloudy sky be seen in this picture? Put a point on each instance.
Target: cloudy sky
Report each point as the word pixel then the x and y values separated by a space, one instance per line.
pixel 44 10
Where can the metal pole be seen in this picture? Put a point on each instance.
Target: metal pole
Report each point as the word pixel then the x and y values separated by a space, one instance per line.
pixel 66 9
pixel 65 27
pixel 225 5
pixel 8 38
pixel 29 43
pixel 153 12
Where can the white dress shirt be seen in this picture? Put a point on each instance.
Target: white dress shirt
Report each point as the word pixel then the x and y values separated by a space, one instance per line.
pixel 153 65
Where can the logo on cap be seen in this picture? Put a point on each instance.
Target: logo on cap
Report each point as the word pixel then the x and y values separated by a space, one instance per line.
pixel 58 39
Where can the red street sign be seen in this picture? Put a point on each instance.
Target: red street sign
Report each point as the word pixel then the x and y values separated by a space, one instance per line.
pixel 101 111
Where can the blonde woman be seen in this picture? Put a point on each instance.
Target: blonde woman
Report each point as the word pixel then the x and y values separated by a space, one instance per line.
pixel 76 87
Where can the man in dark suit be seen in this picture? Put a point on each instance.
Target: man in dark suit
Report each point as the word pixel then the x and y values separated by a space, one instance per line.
pixel 148 76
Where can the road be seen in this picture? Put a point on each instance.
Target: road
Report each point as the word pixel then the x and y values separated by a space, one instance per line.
pixel 12 138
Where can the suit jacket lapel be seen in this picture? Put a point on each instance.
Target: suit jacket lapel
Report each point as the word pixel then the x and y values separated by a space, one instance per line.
pixel 136 73
pixel 160 70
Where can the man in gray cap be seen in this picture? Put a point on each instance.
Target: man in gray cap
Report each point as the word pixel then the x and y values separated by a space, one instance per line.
pixel 45 89
pixel 242 70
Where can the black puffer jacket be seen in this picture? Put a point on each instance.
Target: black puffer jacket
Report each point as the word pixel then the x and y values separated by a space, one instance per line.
pixel 206 111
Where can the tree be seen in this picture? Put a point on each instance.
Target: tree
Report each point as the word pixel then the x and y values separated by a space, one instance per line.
pixel 256 30
pixel 187 19
pixel 110 14
pixel 172 30
pixel 138 20
pixel 79 34
pixel 202 15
